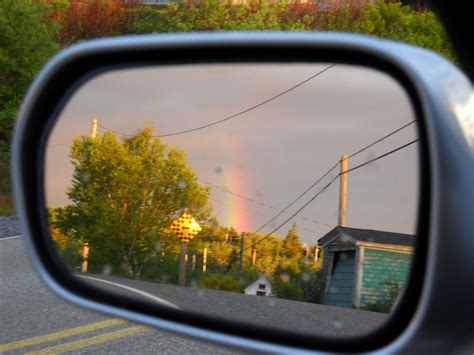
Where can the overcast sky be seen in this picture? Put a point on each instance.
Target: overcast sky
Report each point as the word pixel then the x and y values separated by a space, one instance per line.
pixel 270 154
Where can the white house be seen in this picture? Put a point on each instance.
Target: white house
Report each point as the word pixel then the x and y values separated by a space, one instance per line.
pixel 261 287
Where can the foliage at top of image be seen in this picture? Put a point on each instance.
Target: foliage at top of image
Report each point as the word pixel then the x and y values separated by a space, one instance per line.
pixel 385 19
pixel 32 31
pixel 26 42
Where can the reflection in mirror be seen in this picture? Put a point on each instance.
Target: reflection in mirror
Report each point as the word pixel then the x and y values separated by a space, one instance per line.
pixel 283 195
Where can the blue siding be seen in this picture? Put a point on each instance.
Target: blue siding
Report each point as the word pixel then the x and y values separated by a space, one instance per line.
pixel 339 291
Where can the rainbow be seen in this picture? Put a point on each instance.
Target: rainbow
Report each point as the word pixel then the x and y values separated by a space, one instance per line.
pixel 234 208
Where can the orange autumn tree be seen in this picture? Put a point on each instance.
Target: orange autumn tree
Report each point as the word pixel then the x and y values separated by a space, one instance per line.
pixel 86 19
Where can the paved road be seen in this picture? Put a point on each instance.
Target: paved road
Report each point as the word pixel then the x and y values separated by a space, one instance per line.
pixel 289 315
pixel 30 310
pixel 33 319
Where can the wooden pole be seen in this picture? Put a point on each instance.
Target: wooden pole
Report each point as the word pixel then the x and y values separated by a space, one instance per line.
pixel 343 191
pixel 85 246
pixel 94 128
pixel 85 256
pixel 182 265
pixel 316 254
pixel 204 260
pixel 194 262
pixel 242 240
pixel 254 256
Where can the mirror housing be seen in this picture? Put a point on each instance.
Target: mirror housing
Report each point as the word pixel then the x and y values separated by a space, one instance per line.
pixel 440 96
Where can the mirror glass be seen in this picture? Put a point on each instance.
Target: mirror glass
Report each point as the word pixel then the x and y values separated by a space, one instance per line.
pixel 282 195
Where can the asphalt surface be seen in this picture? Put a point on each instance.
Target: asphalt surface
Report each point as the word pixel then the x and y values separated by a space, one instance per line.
pixel 29 310
pixel 269 312
pixel 9 226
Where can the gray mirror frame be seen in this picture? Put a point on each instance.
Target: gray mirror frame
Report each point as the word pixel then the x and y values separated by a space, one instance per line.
pixel 435 87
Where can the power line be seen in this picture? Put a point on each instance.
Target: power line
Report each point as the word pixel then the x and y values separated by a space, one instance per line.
pixel 284 210
pixel 350 156
pixel 236 114
pixel 262 214
pixel 292 88
pixel 327 173
pixel 117 132
pixel 261 203
pixel 378 157
pixel 297 198
pixel 381 139
pixel 327 186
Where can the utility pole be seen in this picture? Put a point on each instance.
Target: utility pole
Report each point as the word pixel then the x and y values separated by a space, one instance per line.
pixel 343 191
pixel 242 240
pixel 182 265
pixel 316 253
pixel 204 260
pixel 85 256
pixel 85 245
pixel 94 128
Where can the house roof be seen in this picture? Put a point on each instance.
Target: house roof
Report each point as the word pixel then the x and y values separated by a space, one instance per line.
pixel 262 278
pixel 368 235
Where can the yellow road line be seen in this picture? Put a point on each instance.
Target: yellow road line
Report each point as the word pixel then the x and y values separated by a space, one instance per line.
pixel 98 339
pixel 58 335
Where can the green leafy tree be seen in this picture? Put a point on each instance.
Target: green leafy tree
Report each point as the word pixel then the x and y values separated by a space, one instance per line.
pixel 222 282
pixel 125 194
pixel 268 255
pixel 68 248
pixel 268 252
pixel 210 15
pixel 382 18
pixel 220 242
pixel 390 20
pixel 402 23
pixel 293 248
pixel 305 286
pixel 26 42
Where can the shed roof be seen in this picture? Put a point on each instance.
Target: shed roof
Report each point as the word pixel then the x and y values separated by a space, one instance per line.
pixel 368 235
pixel 261 278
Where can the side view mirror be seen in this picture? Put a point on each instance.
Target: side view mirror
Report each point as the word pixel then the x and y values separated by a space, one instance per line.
pixel 172 180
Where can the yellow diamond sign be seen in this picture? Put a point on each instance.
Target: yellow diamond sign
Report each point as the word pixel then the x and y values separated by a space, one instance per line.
pixel 185 227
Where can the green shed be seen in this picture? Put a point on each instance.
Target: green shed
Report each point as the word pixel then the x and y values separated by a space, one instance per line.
pixel 363 266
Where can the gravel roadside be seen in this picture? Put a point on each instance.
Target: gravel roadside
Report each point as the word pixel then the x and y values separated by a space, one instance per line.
pixel 9 226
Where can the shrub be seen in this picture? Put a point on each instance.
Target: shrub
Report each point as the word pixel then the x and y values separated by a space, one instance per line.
pixel 386 305
pixel 221 282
